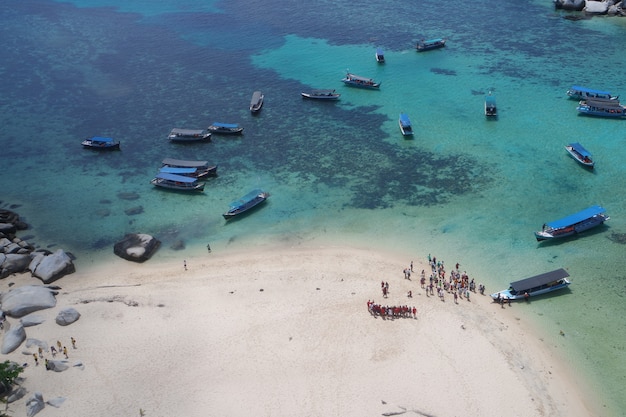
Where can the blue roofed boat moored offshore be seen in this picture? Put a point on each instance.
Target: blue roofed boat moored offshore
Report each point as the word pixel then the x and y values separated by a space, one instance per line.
pixel 361 82
pixel 491 110
pixel 583 93
pixel 246 203
pixel 601 108
pixel 225 128
pixel 101 143
pixel 177 182
pixel 580 154
pixel 405 124
pixel 575 223
pixel 380 56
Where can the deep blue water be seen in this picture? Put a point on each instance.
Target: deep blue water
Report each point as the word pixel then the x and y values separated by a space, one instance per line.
pixel 464 188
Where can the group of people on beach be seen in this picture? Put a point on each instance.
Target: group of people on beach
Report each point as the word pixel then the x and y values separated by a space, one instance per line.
pixel 458 284
pixel 59 349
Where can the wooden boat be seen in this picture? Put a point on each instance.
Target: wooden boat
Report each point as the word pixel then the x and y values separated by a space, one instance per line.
pixel 380 56
pixel 203 169
pixel 533 286
pixel 491 110
pixel 189 135
pixel 427 45
pixel 256 102
pixel 177 182
pixel 225 128
pixel 580 154
pixel 584 93
pixel 101 144
pixel 601 108
pixel 321 94
pixel 246 203
pixel 405 124
pixel 361 82
pixel 575 223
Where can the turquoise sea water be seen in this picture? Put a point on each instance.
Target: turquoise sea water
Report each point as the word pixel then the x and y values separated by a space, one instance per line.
pixel 465 188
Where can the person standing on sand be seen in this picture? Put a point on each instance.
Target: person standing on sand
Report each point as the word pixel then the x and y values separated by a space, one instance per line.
pixel 65 352
pixel 60 346
pixel 185 264
pixel 73 342
pixel 36 360
pixel 53 351
pixel 208 247
pixel 411 266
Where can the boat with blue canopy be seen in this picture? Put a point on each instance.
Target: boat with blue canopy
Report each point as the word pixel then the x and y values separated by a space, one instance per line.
pixel 189 135
pixel 177 182
pixel 405 124
pixel 575 223
pixel 246 203
pixel 225 128
pixel 427 45
pixel 533 286
pixel 203 169
pixel 491 110
pixel 580 154
pixel 101 143
pixel 361 82
pixel 583 93
pixel 601 108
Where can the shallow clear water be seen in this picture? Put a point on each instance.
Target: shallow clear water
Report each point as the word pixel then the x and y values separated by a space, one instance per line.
pixel 468 189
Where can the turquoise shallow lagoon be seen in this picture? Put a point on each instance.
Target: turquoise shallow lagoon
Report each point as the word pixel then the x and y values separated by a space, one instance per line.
pixel 464 189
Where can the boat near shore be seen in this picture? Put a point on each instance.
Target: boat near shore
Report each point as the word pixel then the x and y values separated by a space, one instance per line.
pixel 380 56
pixel 203 169
pixel 321 94
pixel 256 102
pixel 189 135
pixel 580 154
pixel 100 143
pixel 491 110
pixel 246 203
pixel 576 223
pixel 533 286
pixel 361 82
pixel 430 44
pixel 601 108
pixel 584 93
pixel 225 128
pixel 177 182
pixel 405 125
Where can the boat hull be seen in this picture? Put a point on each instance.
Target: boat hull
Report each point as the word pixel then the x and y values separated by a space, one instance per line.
pixel 329 96
pixel 247 207
pixel 169 186
pixel 521 295
pixel 115 147
pixel 586 162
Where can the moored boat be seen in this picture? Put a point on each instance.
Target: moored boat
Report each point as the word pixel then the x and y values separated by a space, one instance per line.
pixel 361 82
pixel 601 108
pixel 321 94
pixel 405 124
pixel 225 128
pixel 177 182
pixel 380 56
pixel 580 154
pixel 491 110
pixel 203 169
pixel 256 102
pixel 427 45
pixel 246 203
pixel 101 143
pixel 584 93
pixel 575 223
pixel 189 135
pixel 533 286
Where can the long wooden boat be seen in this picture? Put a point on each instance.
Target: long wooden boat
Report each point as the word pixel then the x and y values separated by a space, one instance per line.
pixel 360 82
pixel 533 286
pixel 491 110
pixel 405 125
pixel 177 182
pixel 583 93
pixel 580 154
pixel 246 203
pixel 601 108
pixel 380 56
pixel 101 144
pixel 321 94
pixel 189 135
pixel 225 128
pixel 427 45
pixel 203 169
pixel 575 223
pixel 256 102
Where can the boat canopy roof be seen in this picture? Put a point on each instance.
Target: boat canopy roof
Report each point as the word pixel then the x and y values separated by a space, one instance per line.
pixel 358 77
pixel 435 40
pixel 379 51
pixel 578 88
pixel 603 103
pixel 185 164
pixel 101 139
pixel 490 100
pixel 178 170
pixel 580 149
pixel 177 131
pixel 404 119
pixel 256 96
pixel 174 177
pixel 226 125
pixel 576 218
pixel 246 198
pixel 539 280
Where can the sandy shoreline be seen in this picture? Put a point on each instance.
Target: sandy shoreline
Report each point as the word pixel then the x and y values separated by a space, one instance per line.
pixel 287 332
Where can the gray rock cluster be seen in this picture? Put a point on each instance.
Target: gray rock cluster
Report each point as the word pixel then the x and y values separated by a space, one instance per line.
pixel 136 247
pixel 17 256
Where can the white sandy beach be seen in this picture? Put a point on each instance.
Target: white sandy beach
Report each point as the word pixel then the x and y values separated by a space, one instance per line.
pixel 286 332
